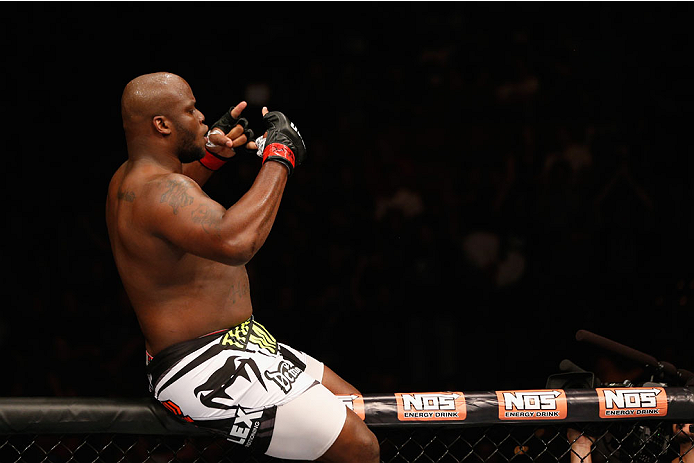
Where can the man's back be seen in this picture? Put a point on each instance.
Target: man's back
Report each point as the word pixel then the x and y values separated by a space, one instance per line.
pixel 176 295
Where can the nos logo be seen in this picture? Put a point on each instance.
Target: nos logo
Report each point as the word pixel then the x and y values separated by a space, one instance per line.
pixel 632 402
pixel 430 406
pixel 535 404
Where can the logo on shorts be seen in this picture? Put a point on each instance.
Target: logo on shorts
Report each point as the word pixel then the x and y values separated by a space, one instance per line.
pixel 285 375
pixel 213 393
pixel 245 427
pixel 621 402
pixel 429 406
pixel 249 332
pixel 543 404
pixel 354 402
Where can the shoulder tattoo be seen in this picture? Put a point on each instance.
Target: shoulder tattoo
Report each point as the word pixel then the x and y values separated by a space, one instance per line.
pixel 127 196
pixel 176 195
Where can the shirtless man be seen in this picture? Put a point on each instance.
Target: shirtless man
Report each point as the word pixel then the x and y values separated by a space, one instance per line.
pixel 181 257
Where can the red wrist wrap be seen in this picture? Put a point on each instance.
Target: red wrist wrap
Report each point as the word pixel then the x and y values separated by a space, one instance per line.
pixel 277 149
pixel 212 161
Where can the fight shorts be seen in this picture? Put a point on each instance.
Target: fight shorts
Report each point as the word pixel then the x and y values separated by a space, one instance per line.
pixel 245 386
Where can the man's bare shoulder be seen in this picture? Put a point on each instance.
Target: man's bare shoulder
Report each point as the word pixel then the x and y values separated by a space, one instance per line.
pixel 147 189
pixel 170 183
pixel 172 190
pixel 152 193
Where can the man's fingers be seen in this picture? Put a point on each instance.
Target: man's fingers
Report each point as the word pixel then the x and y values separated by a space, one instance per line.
pixel 238 109
pixel 235 132
pixel 240 141
pixel 218 138
pixel 237 135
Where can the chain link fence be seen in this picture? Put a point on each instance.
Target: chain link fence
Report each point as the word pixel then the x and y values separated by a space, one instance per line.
pixel 619 424
pixel 633 441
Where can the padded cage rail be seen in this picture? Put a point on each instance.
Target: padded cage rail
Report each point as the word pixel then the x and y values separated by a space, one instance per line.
pixel 617 424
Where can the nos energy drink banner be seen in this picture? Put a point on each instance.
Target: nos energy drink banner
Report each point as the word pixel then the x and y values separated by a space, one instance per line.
pixel 524 406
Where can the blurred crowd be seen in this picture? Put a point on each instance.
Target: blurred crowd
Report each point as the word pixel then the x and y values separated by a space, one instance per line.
pixel 469 202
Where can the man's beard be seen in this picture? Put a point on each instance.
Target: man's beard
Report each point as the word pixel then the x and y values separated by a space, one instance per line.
pixel 189 148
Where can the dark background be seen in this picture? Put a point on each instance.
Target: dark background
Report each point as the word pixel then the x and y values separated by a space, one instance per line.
pixel 483 180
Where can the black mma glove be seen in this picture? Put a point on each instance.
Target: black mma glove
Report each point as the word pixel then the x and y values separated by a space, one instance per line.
pixel 225 123
pixel 283 143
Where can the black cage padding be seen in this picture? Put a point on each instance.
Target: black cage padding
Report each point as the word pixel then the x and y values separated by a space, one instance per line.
pixel 44 415
pixel 49 415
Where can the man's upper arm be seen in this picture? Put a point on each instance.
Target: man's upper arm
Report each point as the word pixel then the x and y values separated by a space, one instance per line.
pixel 177 210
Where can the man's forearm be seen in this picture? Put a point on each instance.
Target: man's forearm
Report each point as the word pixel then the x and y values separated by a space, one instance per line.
pixel 249 221
pixel 197 172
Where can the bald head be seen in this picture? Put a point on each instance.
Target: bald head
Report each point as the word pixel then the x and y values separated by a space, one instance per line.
pixel 160 118
pixel 151 95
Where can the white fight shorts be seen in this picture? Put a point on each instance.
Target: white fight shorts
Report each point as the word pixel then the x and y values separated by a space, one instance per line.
pixel 244 385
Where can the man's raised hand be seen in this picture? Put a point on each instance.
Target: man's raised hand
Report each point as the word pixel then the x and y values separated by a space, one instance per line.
pixel 229 132
pixel 282 142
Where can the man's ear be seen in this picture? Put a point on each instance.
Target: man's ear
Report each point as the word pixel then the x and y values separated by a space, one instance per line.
pixel 162 125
